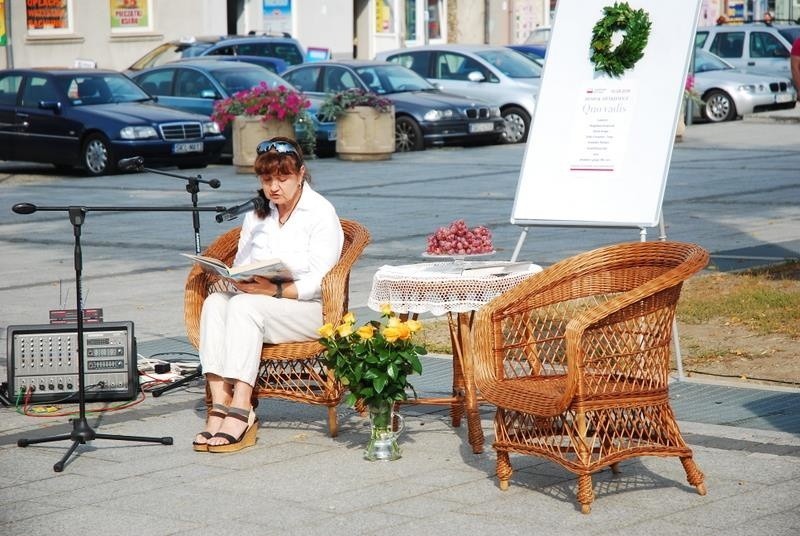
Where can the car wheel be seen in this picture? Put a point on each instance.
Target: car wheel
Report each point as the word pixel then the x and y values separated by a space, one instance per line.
pixel 407 135
pixel 96 156
pixel 517 124
pixel 718 107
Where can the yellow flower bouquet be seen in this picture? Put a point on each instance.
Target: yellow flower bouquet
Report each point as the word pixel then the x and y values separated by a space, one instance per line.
pixel 375 360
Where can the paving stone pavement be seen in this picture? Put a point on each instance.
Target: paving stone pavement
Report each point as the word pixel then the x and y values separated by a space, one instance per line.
pixel 733 188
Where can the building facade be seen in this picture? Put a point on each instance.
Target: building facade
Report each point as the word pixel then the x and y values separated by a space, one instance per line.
pixel 114 33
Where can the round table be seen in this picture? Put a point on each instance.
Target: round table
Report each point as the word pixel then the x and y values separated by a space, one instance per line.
pixel 457 288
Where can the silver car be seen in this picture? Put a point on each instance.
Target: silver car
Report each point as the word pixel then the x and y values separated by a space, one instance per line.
pixel 494 74
pixel 754 48
pixel 728 93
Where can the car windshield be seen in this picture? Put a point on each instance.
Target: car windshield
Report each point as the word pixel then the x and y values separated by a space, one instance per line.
pixel 382 79
pixel 88 89
pixel 169 52
pixel 705 62
pixel 510 63
pixel 234 80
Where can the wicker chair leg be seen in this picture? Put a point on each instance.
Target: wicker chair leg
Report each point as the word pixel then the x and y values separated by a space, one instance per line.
pixel 504 469
pixel 694 475
pixel 615 468
pixel 585 493
pixel 333 421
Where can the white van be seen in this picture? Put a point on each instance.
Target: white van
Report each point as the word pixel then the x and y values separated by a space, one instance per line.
pixel 755 48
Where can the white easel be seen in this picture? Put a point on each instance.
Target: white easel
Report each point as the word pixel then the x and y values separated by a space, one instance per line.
pixel 599 147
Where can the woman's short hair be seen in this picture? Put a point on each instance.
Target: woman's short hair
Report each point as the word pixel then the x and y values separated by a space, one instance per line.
pixel 279 156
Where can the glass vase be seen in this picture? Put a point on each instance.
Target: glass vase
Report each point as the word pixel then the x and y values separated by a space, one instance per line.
pixel 383 440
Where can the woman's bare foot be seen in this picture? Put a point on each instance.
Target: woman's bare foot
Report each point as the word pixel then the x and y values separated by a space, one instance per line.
pixel 214 420
pixel 233 426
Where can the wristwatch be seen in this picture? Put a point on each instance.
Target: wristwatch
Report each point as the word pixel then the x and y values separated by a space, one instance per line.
pixel 279 290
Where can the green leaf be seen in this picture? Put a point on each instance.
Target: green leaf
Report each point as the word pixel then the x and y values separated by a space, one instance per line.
pixel 379 382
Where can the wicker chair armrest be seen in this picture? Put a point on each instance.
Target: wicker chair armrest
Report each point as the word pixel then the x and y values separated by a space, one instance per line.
pixel 336 283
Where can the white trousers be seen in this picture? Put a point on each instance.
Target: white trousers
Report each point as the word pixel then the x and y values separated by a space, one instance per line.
pixel 233 328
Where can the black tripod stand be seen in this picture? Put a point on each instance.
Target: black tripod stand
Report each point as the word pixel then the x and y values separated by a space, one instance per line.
pixel 81 429
pixel 193 187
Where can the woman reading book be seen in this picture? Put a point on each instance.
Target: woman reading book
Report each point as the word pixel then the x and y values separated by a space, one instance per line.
pixel 298 226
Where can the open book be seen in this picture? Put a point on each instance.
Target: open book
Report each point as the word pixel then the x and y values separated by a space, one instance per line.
pixel 272 269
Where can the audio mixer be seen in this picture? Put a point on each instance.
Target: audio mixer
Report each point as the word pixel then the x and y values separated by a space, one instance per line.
pixel 43 362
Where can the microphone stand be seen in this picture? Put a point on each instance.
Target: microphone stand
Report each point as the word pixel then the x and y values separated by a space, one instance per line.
pixel 81 429
pixel 193 187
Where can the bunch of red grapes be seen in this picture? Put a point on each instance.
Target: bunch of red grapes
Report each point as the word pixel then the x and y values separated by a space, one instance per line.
pixel 458 239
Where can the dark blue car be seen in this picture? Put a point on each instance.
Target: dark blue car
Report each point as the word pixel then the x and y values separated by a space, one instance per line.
pixel 93 118
pixel 533 52
pixel 195 85
pixel 424 115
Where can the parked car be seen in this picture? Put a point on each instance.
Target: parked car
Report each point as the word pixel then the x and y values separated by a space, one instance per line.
pixel 539 36
pixel 273 65
pixel 728 93
pixel 532 52
pixel 285 48
pixel 754 48
pixel 195 85
pixel 93 118
pixel 492 73
pixel 424 115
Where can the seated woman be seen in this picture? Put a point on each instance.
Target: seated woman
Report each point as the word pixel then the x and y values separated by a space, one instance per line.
pixel 298 226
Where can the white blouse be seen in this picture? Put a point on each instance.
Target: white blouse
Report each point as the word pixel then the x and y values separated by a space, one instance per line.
pixel 310 242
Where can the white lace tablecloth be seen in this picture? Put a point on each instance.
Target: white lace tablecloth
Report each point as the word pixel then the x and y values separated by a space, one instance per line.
pixel 439 287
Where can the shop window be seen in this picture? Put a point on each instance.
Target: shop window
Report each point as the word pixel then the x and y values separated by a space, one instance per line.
pixel 49 17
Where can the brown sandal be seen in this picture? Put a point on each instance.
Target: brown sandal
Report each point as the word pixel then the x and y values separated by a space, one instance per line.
pixel 246 439
pixel 217 410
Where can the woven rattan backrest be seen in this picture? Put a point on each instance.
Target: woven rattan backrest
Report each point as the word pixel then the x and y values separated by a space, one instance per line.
pixel 600 315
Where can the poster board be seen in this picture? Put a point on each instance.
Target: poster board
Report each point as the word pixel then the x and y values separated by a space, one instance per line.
pixel 599 147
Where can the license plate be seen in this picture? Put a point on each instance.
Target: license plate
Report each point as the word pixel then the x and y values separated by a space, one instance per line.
pixel 481 127
pixel 181 148
pixel 783 97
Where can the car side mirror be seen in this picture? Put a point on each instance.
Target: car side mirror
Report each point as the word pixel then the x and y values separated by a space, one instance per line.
pixel 209 94
pixel 55 106
pixel 475 76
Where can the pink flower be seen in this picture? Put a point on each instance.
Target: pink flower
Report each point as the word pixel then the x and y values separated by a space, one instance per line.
pixel 269 103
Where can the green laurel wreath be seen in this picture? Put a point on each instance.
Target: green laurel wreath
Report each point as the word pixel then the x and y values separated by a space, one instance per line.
pixel 636 25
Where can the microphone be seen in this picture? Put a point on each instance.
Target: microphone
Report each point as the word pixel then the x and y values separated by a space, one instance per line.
pixel 135 163
pixel 214 183
pixel 231 213
pixel 24 208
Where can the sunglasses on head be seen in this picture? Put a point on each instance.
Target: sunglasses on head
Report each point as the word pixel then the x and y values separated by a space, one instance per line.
pixel 281 147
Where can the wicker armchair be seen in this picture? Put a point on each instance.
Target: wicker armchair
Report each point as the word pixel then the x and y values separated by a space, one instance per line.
pixel 576 359
pixel 290 371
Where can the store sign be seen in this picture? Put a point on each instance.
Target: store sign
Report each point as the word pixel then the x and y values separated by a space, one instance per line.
pixel 129 14
pixel 278 16
pixel 3 39
pixel 47 14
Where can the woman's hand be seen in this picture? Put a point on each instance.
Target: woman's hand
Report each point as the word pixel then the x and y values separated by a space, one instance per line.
pixel 257 285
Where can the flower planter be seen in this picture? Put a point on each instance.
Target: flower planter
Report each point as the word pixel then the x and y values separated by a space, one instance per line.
pixel 247 132
pixel 363 133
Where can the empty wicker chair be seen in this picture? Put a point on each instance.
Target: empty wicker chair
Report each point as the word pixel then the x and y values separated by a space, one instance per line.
pixel 292 371
pixel 576 359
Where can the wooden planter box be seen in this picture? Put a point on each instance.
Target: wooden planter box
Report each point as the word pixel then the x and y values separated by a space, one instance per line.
pixel 363 133
pixel 248 132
